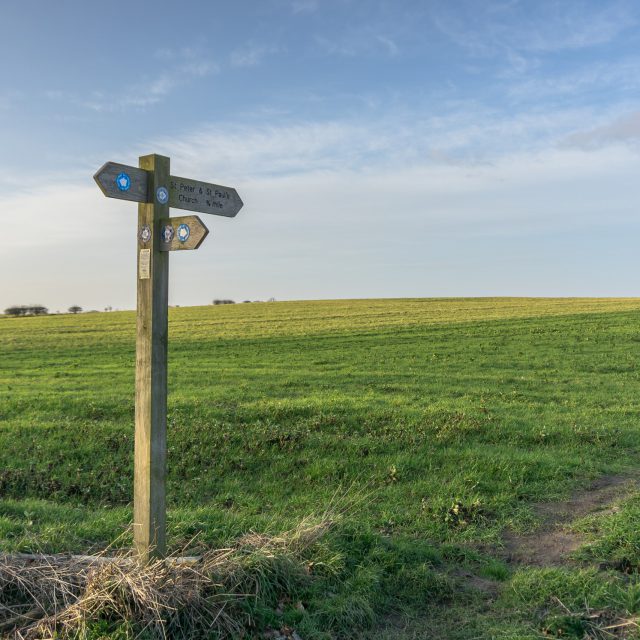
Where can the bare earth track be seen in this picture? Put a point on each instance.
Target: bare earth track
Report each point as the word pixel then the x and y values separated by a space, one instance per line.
pixel 553 542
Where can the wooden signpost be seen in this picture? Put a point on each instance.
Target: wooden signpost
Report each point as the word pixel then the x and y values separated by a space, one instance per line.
pixel 155 191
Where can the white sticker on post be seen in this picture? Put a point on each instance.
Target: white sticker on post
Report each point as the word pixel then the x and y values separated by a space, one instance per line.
pixel 144 264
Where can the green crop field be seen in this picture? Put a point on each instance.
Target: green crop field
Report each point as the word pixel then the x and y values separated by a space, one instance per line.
pixel 432 427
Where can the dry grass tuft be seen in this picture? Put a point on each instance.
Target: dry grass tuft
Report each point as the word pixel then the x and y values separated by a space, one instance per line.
pixel 61 596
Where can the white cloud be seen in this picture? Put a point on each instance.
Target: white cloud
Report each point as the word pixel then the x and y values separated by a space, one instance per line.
pixel 9 99
pixel 251 55
pixel 55 215
pixel 353 204
pixel 183 67
pixel 466 138
pixel 621 75
pixel 72 245
pixel 623 129
pixel 389 44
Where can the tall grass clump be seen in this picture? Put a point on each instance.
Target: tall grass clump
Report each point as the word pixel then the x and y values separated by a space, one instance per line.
pixel 213 596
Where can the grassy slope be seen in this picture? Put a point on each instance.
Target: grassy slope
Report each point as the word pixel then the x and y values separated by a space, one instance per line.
pixel 491 404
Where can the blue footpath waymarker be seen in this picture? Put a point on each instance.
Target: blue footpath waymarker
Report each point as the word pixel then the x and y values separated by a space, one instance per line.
pixel 163 195
pixel 123 181
pixel 183 232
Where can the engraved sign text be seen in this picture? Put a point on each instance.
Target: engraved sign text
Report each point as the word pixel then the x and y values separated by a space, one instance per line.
pixel 203 197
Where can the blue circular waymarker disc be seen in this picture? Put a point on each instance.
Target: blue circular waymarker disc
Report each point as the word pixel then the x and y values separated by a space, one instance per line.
pixel 123 181
pixel 162 195
pixel 183 232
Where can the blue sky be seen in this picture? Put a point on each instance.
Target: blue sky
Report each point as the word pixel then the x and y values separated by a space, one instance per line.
pixel 381 148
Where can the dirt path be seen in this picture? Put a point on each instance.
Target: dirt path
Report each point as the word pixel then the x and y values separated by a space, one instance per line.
pixel 552 543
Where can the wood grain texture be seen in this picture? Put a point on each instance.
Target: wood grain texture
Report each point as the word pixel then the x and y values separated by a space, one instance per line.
pixel 196 229
pixel 106 177
pixel 151 375
pixel 203 197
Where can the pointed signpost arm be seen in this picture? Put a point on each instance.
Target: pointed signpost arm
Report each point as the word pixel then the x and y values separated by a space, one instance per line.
pixel 151 365
pixel 123 182
pixel 186 232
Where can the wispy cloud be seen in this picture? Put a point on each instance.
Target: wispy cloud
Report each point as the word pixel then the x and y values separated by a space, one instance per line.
pixel 490 28
pixel 366 40
pixel 466 138
pixel 181 67
pixel 577 26
pixel 494 174
pixel 251 54
pixel 304 6
pixel 619 75
pixel 623 129
pixel 389 44
pixel 9 99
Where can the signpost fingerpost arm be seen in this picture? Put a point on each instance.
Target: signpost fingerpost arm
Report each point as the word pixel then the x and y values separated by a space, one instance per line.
pixel 149 519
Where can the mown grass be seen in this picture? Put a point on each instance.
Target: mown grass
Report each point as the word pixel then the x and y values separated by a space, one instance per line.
pixel 447 418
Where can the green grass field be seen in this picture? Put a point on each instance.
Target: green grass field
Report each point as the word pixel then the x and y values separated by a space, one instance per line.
pixel 440 423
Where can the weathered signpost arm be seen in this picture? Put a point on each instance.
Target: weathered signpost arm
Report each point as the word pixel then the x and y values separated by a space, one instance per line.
pixel 149 528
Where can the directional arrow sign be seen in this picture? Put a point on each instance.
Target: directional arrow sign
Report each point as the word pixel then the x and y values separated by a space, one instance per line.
pixel 130 183
pixel 203 197
pixel 185 232
pixel 123 182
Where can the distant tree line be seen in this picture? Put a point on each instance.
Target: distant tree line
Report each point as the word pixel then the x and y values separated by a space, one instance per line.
pixel 220 301
pixel 40 310
pixel 17 311
pixel 26 310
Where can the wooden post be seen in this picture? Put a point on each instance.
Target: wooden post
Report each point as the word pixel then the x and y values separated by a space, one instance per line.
pixel 149 511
